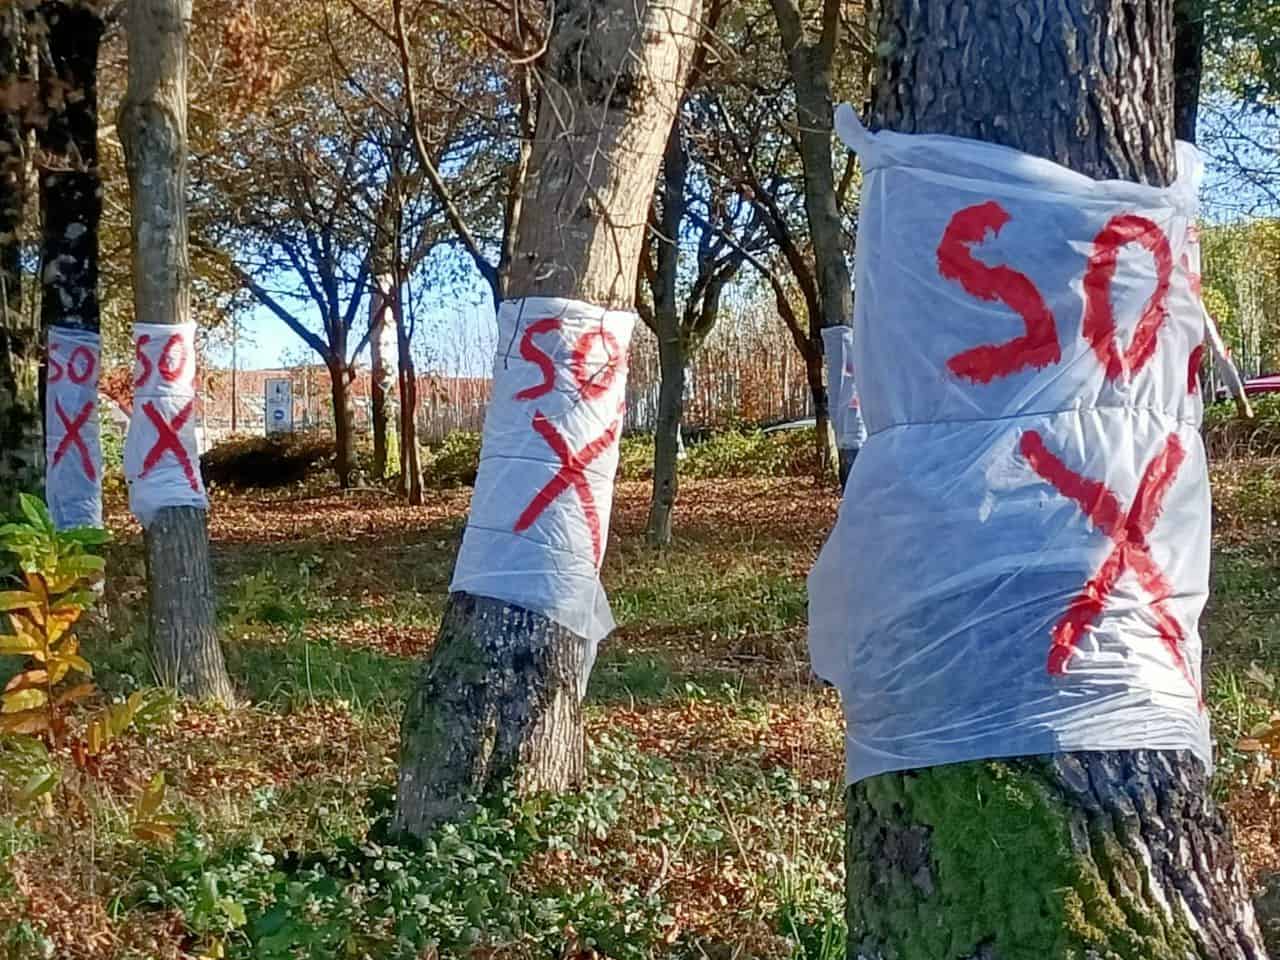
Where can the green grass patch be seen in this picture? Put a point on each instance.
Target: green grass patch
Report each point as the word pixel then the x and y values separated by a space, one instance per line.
pixel 300 671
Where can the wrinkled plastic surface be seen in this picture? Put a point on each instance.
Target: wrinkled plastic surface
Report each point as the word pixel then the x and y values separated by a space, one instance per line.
pixel 73 449
pixel 161 458
pixel 846 417
pixel 539 518
pixel 1022 552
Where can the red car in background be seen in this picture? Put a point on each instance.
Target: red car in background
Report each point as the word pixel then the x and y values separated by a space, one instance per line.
pixel 1260 385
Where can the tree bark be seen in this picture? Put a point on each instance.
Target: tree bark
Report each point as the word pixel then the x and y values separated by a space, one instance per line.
pixel 501 694
pixel 184 634
pixel 21 436
pixel 344 419
pixel 410 452
pixel 811 64
pixel 1188 66
pixel 666 443
pixel 70 182
pixel 1104 854
pixel 671 342
pixel 816 375
pixel 378 410
pixel 380 376
pixel 153 129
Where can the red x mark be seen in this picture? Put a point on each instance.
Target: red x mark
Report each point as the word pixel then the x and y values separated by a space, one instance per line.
pixel 73 437
pixel 1128 531
pixel 169 441
pixel 572 473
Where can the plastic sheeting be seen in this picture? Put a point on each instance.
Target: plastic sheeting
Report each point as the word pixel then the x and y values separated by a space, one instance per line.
pixel 73 450
pixel 846 417
pixel 161 458
pixel 1022 553
pixel 540 511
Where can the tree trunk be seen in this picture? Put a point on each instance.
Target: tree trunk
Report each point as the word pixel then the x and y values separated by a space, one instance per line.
pixel 344 420
pixel 666 442
pixel 71 209
pixel 1103 854
pixel 671 342
pixel 501 695
pixel 811 66
pixel 1188 66
pixel 153 129
pixel 380 375
pixel 21 437
pixel 410 453
pixel 70 183
pixel 823 434
pixel 184 634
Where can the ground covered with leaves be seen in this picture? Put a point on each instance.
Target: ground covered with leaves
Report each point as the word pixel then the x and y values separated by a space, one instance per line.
pixel 712 822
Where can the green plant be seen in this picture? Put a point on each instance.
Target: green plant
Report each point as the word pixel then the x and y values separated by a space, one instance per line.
pixel 453 462
pixel 57 571
pixel 752 453
pixel 285 593
pixel 1229 437
pixel 635 457
pixel 459 891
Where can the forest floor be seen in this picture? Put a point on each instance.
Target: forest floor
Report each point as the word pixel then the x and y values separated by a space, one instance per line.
pixel 712 822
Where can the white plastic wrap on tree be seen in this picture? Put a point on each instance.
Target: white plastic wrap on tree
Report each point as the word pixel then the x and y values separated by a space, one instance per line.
pixel 161 457
pixel 73 451
pixel 846 417
pixel 1022 555
pixel 540 511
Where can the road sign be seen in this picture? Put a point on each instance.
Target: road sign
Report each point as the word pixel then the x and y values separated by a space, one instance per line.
pixel 279 406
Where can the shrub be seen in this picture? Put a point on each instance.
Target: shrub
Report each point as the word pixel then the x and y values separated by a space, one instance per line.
pixel 1228 437
pixel 752 453
pixel 264 463
pixel 635 458
pixel 735 453
pixel 453 462
pixel 738 452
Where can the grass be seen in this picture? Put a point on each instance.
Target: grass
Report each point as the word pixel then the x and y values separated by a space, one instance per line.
pixel 711 824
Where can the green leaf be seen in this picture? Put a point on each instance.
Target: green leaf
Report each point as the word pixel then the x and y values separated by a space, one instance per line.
pixel 36 512
pixel 81 564
pixel 38 784
pixel 234 912
pixel 86 536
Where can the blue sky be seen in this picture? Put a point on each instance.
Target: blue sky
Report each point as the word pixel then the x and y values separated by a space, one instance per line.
pixel 456 334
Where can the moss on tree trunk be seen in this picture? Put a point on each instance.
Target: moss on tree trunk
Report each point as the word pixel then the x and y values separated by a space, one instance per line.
pixel 1118 856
